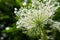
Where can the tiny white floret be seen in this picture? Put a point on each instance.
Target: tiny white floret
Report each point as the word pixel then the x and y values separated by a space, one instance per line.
pixel 7 28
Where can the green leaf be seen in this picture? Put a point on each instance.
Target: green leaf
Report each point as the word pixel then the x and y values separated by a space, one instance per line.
pixel 19 2
pixel 12 29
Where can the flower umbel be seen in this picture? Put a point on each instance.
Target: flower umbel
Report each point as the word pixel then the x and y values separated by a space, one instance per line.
pixel 35 14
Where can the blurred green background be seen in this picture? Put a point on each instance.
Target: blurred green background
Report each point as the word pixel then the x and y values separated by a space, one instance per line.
pixel 8 19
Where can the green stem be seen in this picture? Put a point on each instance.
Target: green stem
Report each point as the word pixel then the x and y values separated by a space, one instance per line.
pixel 43 34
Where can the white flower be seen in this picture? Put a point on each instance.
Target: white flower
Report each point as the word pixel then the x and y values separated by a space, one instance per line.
pixel 15 9
pixel 56 25
pixel 38 13
pixel 24 3
pixel 2 38
pixel 7 28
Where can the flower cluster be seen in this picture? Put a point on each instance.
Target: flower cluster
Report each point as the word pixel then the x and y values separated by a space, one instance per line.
pixel 35 14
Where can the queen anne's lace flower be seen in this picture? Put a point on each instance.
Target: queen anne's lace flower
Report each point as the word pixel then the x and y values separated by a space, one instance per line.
pixel 35 14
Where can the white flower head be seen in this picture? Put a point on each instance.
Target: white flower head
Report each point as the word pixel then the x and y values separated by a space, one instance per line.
pixel 37 13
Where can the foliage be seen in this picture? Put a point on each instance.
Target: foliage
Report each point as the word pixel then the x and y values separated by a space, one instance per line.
pixel 8 31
